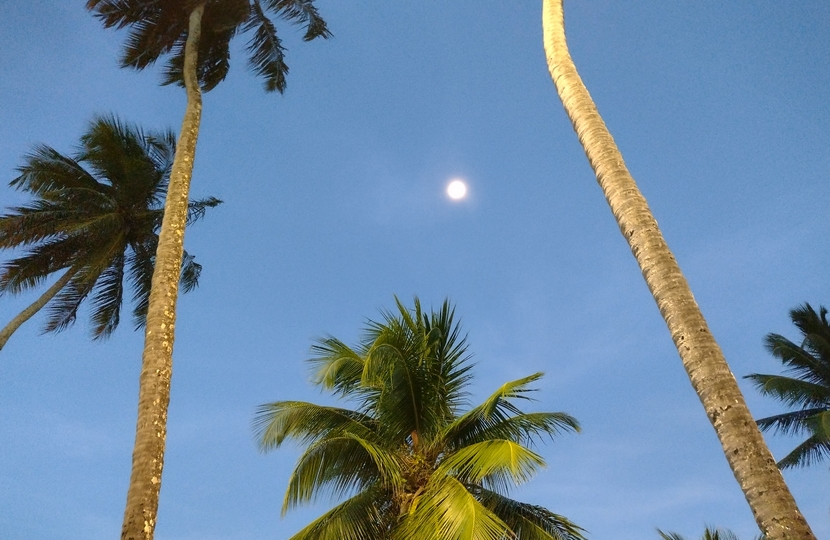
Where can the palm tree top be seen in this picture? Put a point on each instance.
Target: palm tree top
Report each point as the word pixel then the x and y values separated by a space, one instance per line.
pixel 158 28
pixel 412 463
pixel 805 386
pixel 95 212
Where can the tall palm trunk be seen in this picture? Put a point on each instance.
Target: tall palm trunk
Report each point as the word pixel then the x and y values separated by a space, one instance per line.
pixel 751 461
pixel 157 360
pixel 27 313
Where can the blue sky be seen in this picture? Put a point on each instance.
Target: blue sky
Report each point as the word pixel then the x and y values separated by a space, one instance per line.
pixel 334 203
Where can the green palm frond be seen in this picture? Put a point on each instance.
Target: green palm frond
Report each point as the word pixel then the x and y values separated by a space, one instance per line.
pixel 495 463
pixel 815 449
pixel 791 423
pixel 362 517
pixel 339 465
pixel 336 367
pixel 448 511
pixel 793 392
pixel 808 388
pixel 307 423
pixel 528 521
pixel 799 360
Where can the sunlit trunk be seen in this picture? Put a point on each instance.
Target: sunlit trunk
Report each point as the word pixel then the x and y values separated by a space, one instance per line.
pixel 157 360
pixel 27 313
pixel 772 504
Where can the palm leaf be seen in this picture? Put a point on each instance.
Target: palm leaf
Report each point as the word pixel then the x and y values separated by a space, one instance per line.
pixel 495 463
pixel 106 297
pixel 306 422
pixel 447 511
pixel 790 423
pixel 791 391
pixel 362 517
pixel 267 55
pixel 527 521
pixel 304 12
pixel 45 169
pixel 339 465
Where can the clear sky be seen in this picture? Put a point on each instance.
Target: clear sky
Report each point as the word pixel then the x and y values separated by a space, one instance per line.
pixel 334 202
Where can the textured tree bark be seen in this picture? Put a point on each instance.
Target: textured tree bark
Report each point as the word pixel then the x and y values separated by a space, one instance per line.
pixel 157 361
pixel 27 313
pixel 751 461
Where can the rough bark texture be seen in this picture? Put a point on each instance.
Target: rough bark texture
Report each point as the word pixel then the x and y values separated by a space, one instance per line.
pixel 751 461
pixel 157 360
pixel 27 313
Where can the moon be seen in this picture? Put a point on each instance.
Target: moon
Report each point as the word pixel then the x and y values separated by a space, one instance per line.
pixel 457 190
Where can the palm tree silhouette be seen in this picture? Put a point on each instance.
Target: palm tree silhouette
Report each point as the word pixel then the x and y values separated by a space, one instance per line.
pixel 96 224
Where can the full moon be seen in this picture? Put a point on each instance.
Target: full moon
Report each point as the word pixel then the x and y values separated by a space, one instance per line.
pixel 456 190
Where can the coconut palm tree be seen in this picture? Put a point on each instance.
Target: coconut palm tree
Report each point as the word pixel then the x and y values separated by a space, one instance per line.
pixel 411 463
pixel 748 456
pixel 809 389
pixel 97 227
pixel 195 36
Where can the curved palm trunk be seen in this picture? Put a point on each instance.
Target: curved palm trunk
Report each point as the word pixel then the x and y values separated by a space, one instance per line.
pixel 157 360
pixel 754 467
pixel 27 313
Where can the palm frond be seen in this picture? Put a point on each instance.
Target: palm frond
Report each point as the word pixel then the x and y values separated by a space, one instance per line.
pixel 496 463
pixel 140 264
pixel 498 417
pixel 306 422
pixel 336 367
pixel 528 521
pixel 447 511
pixel 106 297
pixel 29 270
pixel 793 392
pixel 45 169
pixel 791 423
pixel 63 308
pixel 339 465
pixel 191 270
pixel 267 55
pixel 364 516
pixel 815 449
pixel 196 208
pixel 303 12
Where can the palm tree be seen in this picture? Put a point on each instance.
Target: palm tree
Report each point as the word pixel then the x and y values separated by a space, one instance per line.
pixel 751 461
pixel 809 389
pixel 97 227
pixel 195 36
pixel 412 464
pixel 708 534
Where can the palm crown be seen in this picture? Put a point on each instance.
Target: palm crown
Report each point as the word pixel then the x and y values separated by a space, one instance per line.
pixel 98 224
pixel 809 388
pixel 159 28
pixel 411 462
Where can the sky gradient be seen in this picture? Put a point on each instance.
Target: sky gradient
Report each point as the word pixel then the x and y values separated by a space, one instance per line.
pixel 334 202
